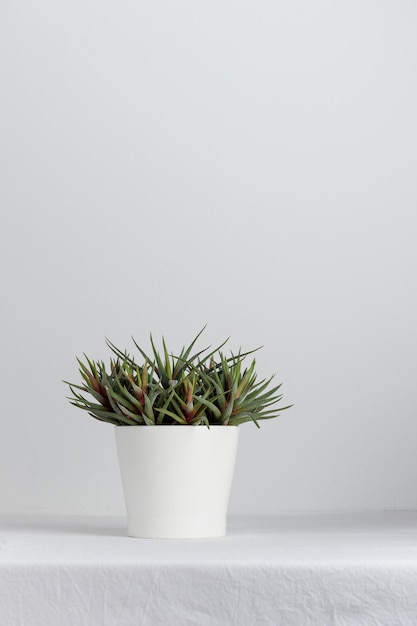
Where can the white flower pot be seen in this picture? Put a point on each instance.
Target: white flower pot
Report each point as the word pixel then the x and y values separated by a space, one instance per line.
pixel 176 479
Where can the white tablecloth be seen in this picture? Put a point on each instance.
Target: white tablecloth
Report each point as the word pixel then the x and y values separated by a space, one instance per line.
pixel 347 570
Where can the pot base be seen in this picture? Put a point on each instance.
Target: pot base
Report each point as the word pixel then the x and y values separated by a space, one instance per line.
pixel 177 528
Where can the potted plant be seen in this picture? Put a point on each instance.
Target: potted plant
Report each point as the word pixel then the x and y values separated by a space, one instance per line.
pixel 176 480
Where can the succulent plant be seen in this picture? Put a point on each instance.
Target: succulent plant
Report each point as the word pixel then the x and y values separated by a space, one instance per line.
pixel 193 388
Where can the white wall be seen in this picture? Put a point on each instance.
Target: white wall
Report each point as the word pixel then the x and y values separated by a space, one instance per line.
pixel 251 165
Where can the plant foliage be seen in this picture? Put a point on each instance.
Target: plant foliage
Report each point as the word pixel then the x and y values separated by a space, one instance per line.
pixel 193 388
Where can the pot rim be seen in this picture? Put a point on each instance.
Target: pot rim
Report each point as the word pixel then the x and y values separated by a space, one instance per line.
pixel 176 426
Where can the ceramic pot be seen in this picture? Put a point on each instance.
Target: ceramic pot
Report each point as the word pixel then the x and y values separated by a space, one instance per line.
pixel 176 479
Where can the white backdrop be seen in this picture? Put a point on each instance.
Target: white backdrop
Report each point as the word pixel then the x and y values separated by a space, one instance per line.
pixel 249 165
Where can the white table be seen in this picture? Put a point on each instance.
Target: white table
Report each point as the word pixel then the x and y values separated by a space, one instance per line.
pixel 347 570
